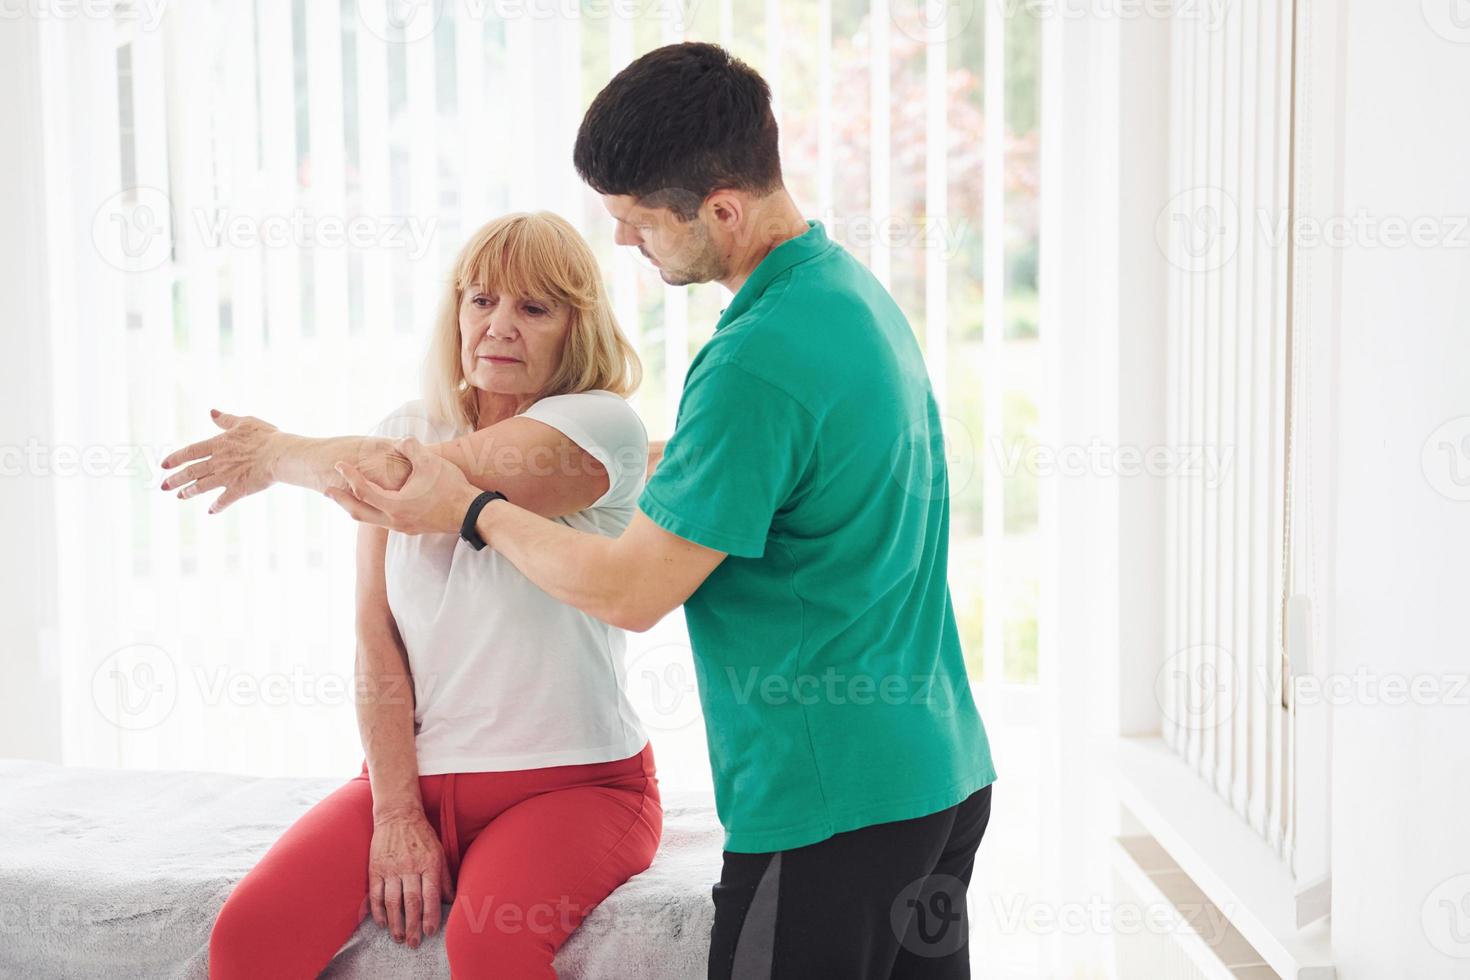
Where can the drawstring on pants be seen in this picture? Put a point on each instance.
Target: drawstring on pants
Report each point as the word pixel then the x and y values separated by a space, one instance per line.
pixel 448 832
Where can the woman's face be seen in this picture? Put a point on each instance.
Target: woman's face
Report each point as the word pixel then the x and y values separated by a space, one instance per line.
pixel 510 345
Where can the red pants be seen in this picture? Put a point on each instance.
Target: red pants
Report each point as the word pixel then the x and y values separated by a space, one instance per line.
pixel 532 852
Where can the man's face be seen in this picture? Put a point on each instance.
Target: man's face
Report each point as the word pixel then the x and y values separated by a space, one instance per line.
pixel 683 252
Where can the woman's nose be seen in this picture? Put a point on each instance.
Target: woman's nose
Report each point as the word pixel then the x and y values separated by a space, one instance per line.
pixel 502 322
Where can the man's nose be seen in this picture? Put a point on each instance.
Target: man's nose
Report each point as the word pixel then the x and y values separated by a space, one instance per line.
pixel 624 235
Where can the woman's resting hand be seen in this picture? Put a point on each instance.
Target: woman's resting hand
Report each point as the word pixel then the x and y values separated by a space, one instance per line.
pixel 408 875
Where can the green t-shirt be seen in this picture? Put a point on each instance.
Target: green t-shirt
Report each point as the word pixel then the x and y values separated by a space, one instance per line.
pixel 808 447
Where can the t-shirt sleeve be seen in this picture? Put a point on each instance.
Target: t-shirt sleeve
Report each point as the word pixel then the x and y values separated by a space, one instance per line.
pixel 607 428
pixel 408 419
pixel 740 450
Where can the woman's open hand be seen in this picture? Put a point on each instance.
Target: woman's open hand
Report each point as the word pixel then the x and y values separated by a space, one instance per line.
pixel 238 459
pixel 408 875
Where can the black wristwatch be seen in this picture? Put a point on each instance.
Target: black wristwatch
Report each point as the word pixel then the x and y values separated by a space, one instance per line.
pixel 467 528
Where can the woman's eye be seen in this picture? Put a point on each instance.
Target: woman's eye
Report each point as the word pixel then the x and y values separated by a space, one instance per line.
pixel 484 302
pixel 535 310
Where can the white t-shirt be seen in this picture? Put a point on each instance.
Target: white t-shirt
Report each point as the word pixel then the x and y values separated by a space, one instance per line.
pixel 505 676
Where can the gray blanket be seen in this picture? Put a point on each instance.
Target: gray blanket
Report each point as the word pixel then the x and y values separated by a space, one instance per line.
pixel 109 873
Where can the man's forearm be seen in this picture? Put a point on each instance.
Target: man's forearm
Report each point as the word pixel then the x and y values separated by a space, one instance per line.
pixel 576 567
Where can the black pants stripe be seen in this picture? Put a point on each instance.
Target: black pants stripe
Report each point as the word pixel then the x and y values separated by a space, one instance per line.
pixel 885 902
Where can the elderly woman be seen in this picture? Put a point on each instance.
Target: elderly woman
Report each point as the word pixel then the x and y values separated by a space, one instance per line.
pixel 505 770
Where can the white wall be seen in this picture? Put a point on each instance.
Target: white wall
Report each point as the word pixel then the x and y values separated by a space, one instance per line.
pixel 1401 774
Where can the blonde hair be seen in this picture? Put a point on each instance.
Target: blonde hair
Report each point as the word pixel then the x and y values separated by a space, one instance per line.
pixel 535 255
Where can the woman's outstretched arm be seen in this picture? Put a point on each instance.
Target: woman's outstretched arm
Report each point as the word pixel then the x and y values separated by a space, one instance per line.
pixel 532 463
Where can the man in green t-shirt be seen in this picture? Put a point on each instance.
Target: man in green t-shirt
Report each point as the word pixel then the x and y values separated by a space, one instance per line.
pixel 800 514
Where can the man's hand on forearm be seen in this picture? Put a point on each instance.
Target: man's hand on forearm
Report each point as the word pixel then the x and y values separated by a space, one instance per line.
pixel 433 500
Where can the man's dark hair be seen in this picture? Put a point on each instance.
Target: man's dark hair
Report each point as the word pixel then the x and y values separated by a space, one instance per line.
pixel 681 121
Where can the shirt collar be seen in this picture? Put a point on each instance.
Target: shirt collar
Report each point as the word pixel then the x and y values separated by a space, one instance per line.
pixel 808 245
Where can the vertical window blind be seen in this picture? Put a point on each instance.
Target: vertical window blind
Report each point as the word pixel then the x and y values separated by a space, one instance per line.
pixel 1230 403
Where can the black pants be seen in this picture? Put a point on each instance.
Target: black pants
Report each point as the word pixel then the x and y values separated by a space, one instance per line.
pixel 881 902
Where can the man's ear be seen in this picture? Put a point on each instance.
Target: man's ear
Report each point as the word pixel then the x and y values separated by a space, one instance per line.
pixel 727 209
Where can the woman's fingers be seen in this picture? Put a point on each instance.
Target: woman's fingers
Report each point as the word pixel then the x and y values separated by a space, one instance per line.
pixel 195 472
pixel 364 489
pixel 205 483
pixel 225 499
pixel 393 899
pixel 445 877
pixel 223 420
pixel 193 451
pixel 432 899
pixel 375 900
pixel 413 909
pixel 356 508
